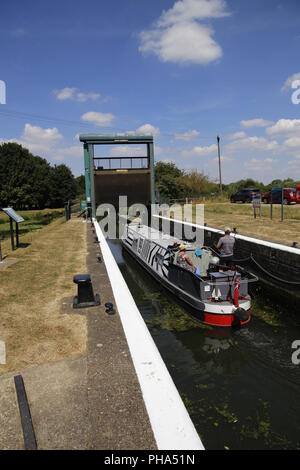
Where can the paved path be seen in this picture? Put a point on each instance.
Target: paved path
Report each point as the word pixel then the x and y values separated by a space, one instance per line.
pixel 92 401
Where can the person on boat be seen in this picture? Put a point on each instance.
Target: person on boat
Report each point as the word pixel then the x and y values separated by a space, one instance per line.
pixel 226 246
pixel 184 261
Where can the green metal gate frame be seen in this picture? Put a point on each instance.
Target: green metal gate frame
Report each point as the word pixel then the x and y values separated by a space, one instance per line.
pixel 89 140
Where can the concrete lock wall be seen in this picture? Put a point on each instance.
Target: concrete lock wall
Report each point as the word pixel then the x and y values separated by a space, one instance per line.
pixel 279 261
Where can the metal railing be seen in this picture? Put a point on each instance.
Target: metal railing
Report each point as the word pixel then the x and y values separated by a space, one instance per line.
pixel 110 163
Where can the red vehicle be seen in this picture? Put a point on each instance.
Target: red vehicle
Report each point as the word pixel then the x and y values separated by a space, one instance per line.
pixel 298 194
pixel 289 196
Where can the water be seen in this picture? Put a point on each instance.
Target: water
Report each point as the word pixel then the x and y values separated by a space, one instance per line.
pixel 240 387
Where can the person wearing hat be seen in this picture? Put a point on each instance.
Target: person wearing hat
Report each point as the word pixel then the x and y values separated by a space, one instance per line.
pixel 226 245
pixel 183 259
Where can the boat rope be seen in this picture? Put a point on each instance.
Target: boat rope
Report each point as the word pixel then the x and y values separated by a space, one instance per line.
pixel 242 260
pixel 294 283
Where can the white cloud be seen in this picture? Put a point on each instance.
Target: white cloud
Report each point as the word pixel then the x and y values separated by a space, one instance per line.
pixel 253 144
pixel 188 10
pixel 199 151
pixel 285 128
pixel 59 154
pixel 295 163
pixel 258 122
pixel 182 43
pixel 39 140
pixel 288 83
pixel 292 142
pixel 127 151
pixel 75 94
pixel 45 143
pixel 178 37
pixel 98 119
pixel 148 129
pixel 224 159
pixel 237 135
pixel 189 135
pixel 259 165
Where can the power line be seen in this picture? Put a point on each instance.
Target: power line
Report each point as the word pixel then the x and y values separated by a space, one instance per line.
pixel 68 122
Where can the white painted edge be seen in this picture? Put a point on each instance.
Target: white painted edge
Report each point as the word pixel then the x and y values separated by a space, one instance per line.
pixel 278 246
pixel 172 426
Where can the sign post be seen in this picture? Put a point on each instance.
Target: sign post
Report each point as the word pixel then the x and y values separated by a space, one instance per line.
pixel 256 204
pixel 277 195
pixel 13 216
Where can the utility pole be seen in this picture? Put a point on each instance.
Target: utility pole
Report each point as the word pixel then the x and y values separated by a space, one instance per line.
pixel 220 174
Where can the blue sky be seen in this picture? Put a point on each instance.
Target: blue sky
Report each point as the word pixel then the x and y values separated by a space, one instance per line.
pixel 185 71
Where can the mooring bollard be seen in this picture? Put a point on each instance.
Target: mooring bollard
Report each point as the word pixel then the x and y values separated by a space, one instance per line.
pixel 109 308
pixel 85 297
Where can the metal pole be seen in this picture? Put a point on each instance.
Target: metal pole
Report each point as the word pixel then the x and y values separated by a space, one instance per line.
pixel 17 235
pixel 220 174
pixel 271 207
pixel 12 234
pixel 282 192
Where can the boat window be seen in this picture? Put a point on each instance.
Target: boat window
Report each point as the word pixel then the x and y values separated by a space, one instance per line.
pixel 159 259
pixel 140 244
pixel 146 249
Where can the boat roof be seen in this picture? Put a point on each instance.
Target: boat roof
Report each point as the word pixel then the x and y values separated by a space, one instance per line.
pixel 156 236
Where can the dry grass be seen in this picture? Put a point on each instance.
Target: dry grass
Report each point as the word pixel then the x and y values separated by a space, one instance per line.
pixel 285 232
pixel 221 215
pixel 31 324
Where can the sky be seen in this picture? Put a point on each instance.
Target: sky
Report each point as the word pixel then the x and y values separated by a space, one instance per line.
pixel 184 71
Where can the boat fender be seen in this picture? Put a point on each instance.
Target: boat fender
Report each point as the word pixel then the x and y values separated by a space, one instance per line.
pixel 241 314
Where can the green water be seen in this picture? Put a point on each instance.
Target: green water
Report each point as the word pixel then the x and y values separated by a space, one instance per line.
pixel 240 386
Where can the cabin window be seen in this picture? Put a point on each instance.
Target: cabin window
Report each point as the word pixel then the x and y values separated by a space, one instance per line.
pixel 146 249
pixel 140 244
pixel 159 259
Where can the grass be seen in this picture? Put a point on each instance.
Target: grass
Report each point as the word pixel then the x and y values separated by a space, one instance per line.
pixel 34 220
pixel 31 323
pixel 220 215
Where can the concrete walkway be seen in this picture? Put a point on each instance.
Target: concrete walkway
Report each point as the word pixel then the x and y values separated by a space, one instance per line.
pixel 91 401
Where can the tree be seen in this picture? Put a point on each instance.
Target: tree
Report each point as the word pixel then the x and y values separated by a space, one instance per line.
pixel 168 181
pixel 80 185
pixel 29 182
pixel 169 169
pixel 63 186
pixel 198 184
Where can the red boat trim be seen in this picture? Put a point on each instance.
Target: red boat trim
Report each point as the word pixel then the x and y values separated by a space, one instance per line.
pixel 216 319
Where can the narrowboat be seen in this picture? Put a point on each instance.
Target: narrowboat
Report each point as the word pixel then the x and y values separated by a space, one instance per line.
pixel 218 294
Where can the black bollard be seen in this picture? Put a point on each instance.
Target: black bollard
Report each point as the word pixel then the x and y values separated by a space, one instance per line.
pixel 109 308
pixel 85 297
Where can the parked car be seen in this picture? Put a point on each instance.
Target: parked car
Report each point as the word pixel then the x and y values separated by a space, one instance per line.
pixel 298 194
pixel 245 195
pixel 289 196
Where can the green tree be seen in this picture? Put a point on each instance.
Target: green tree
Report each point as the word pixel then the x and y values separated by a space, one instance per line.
pixel 24 178
pixel 169 169
pixel 63 186
pixel 198 184
pixel 80 185
pixel 29 182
